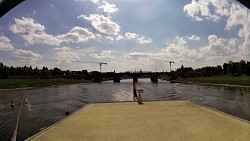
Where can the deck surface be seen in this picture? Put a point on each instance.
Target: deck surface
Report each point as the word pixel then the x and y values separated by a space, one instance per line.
pixel 153 121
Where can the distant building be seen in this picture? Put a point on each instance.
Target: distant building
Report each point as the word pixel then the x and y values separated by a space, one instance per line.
pixel 182 67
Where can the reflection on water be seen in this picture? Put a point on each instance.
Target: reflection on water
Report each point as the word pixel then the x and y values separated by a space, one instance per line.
pixel 49 105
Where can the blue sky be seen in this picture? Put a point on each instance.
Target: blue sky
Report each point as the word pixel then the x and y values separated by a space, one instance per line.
pixel 127 34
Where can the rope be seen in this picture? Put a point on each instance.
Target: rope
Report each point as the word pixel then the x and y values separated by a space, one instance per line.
pixel 245 96
pixel 150 90
pixel 17 121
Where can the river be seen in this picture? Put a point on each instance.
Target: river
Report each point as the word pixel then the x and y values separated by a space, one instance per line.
pixel 49 105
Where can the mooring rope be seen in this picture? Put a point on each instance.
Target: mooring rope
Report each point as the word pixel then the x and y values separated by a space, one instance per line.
pixel 245 96
pixel 17 121
pixel 151 90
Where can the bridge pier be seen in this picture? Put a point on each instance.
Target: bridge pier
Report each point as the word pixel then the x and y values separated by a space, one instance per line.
pixel 154 79
pixel 117 79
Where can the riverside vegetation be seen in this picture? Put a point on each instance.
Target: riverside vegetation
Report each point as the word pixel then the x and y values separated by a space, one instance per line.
pixel 232 73
pixel 224 79
pixel 28 83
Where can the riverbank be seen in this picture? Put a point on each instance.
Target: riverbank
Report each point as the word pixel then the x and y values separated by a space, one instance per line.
pixel 239 81
pixel 20 84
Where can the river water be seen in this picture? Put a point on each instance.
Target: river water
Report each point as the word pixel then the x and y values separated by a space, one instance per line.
pixel 49 105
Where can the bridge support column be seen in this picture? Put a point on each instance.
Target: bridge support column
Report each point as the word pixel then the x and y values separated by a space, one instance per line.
pixel 154 79
pixel 117 79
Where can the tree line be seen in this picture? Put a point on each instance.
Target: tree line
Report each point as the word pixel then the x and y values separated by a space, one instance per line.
pixel 231 68
pixel 35 73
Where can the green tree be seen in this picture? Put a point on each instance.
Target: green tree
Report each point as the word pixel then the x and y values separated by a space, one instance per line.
pixel 248 68
pixel 242 67
pixel 230 68
pixel 225 65
pixel 45 72
pixel 6 72
pixel 218 69
pixel 56 71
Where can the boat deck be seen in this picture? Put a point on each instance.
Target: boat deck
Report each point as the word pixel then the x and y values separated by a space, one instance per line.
pixel 152 121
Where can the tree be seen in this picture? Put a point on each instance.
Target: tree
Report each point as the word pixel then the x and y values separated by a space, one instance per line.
pixel 225 65
pixel 1 65
pixel 218 69
pixel 242 67
pixel 5 72
pixel 56 71
pixel 45 72
pixel 248 68
pixel 230 68
pixel 236 70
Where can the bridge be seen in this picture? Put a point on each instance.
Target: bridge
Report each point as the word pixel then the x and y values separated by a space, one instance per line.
pixel 117 77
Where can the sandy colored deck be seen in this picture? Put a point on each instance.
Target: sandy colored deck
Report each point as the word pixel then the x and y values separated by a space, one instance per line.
pixel 153 121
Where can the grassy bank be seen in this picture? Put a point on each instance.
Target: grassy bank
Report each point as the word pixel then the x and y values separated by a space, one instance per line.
pixel 240 80
pixel 24 83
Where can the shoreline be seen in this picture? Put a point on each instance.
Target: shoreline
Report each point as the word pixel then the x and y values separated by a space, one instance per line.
pixel 42 85
pixel 210 84
pixel 32 88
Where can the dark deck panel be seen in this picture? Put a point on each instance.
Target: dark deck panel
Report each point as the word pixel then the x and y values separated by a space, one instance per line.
pixel 245 2
pixel 7 5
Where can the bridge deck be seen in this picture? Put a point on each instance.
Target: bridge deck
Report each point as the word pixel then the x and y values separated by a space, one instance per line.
pixel 159 121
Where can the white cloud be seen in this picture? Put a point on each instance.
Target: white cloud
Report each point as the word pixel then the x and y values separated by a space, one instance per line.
pixel 105 54
pixel 102 24
pixel 33 32
pixel 110 39
pixel 143 40
pixel 193 37
pixel 5 44
pixel 94 1
pixel 26 25
pixel 145 61
pixel 200 9
pixel 237 17
pixel 120 37
pixel 218 50
pixel 131 36
pixel 98 35
pixel 108 8
pixel 41 38
pixel 240 16
pixel 139 56
pixel 65 55
pixel 179 49
pixel 104 5
pixel 220 47
pixel 138 38
pixel 26 56
pixel 77 34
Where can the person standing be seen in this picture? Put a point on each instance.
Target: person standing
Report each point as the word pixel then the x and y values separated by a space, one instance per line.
pixel 137 95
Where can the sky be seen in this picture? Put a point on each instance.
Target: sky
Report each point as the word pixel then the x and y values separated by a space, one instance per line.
pixel 128 35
